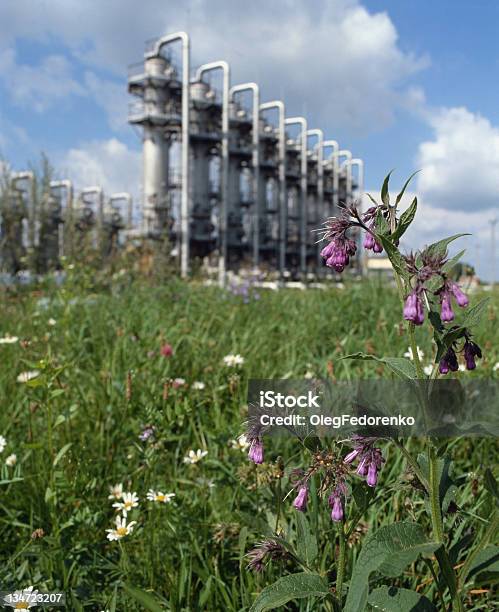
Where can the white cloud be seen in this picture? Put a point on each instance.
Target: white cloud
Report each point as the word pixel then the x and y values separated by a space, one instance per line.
pixel 38 86
pixel 108 163
pixel 111 96
pixel 334 61
pixel 460 166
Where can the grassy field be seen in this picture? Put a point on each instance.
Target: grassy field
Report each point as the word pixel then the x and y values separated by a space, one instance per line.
pixel 105 409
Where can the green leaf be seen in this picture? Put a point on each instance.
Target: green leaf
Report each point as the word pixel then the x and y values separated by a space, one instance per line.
pixel 474 314
pixel 389 550
pixel 400 195
pixel 61 453
pixel 487 560
pixel 385 196
pixel 446 487
pixel 294 586
pixel 381 224
pixel 306 546
pixel 372 199
pixel 404 368
pixel 144 599
pixel 406 218
pixel 391 599
pixel 491 484
pixel 440 247
pixel 394 256
pixel 452 262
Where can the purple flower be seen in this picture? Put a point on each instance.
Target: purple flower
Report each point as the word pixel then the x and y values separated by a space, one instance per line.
pixel 372 475
pixel 461 298
pixel 337 253
pixel 256 451
pixel 377 248
pixel 413 309
pixel 146 433
pixel 471 350
pixel 368 241
pixel 446 313
pixel 370 458
pixel 352 455
pixel 336 508
pixel 300 502
pixel 448 362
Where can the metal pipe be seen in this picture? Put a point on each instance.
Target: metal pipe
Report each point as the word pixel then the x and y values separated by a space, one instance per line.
pixel 336 157
pixel 279 105
pixel 224 183
pixel 320 182
pixel 68 186
pixel 30 177
pixel 123 195
pixel 184 202
pixel 100 201
pixel 360 169
pixel 303 190
pixel 336 147
pixel 255 161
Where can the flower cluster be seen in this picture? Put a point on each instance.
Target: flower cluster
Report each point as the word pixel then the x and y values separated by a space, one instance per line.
pixel 194 457
pixel 125 502
pixel 11 460
pixel 266 551
pixel 370 458
pixel 233 361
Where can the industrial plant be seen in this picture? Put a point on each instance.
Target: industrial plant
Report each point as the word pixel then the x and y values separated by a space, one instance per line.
pixel 228 178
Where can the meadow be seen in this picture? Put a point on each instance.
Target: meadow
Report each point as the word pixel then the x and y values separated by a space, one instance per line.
pixel 114 382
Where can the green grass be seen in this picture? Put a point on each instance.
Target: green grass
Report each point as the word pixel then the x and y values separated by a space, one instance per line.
pixel 75 430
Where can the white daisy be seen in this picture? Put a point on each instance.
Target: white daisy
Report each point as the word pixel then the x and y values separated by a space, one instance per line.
pixel 233 361
pixel 3 444
pixel 195 456
pixel 11 460
pixel 241 443
pixel 21 600
pixel 178 382
pixel 8 339
pixel 130 500
pixel 51 322
pixel 308 375
pixel 198 385
pixel 410 356
pixel 428 369
pixel 116 491
pixel 24 377
pixel 121 530
pixel 496 367
pixel 158 496
pixel 462 367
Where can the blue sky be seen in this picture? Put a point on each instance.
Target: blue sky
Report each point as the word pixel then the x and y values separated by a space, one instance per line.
pixel 403 84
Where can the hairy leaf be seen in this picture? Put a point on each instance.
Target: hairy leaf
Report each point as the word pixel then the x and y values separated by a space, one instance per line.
pixel 404 368
pixel 392 599
pixel 406 218
pixel 401 194
pixel 294 586
pixel 306 546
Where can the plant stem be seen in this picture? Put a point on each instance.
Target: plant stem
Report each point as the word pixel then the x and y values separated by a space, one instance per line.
pixel 341 561
pixel 414 464
pixel 436 516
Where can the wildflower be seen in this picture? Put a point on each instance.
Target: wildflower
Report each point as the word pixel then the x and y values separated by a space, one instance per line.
pixel 370 242
pixel 496 367
pixel 160 497
pixel 448 362
pixel 193 457
pixel 198 385
pixel 448 290
pixel 52 322
pixel 25 377
pixel 370 459
pixel 116 491
pixel 471 350
pixel 413 308
pixel 121 530
pixel 166 350
pixel 233 361
pixel 146 433
pixel 300 502
pixel 130 501
pixel 308 375
pixel 410 355
pixel 3 444
pixel 256 450
pixel 336 506
pixel 8 339
pixel 264 552
pixel 178 382
pixel 241 443
pixel 446 313
pixel 21 600
pixel 428 369
pixel 11 460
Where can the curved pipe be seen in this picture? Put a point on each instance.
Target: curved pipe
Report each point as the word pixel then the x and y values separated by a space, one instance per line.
pixel 281 109
pixel 124 195
pixel 336 179
pixel 255 160
pixel 360 170
pixel 184 202
pixel 302 122
pixel 31 218
pixel 68 186
pixel 320 182
pixel 97 190
pixel 224 204
pixel 347 165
